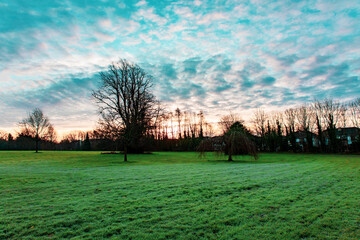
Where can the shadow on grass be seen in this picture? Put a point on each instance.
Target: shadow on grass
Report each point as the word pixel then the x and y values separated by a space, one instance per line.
pixel 113 152
pixel 122 162
pixel 234 161
pixel 248 161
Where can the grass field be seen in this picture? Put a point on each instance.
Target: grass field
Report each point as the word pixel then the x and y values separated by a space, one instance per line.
pixel 86 195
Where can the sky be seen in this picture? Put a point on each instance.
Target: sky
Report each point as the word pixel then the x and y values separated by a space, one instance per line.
pixel 215 56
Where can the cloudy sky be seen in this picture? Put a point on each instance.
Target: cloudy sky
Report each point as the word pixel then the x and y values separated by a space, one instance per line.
pixel 214 56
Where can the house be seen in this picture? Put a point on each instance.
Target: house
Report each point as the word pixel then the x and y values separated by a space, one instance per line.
pixel 347 135
pixel 301 139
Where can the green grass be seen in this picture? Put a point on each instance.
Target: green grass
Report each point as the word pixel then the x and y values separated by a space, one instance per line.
pixel 86 195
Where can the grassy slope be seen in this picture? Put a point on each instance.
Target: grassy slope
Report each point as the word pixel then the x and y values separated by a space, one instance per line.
pixel 88 195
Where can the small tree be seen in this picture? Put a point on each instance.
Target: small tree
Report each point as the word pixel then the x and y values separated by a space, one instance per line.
pixel 36 125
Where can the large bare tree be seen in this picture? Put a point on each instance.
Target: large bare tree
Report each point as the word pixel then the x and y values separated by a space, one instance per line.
pixel 36 125
pixel 125 99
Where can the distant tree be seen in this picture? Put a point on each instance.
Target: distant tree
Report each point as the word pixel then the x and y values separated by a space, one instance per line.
pixel 318 110
pixel 259 121
pixel 156 130
pixel 87 145
pixel 305 122
pixel 186 124
pixel 278 119
pixel 201 124
pixel 235 141
pixel 110 132
pixel 171 117
pixel 36 125
pixel 227 121
pixel 50 135
pixel 270 138
pixel 10 138
pixel 126 102
pixel 290 126
pixel 178 115
pixel 343 115
pixel 74 136
pixel 3 135
pixel 10 142
pixel 331 115
pixel 354 108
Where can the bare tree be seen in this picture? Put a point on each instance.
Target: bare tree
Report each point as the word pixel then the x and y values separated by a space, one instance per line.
pixel 125 100
pixel 74 136
pixel 259 122
pixel 331 112
pixel 171 117
pixel 317 110
pixel 343 114
pixel 110 128
pixel 354 108
pixel 36 125
pixel 178 115
pixel 209 130
pixel 290 126
pixel 157 121
pixel 201 124
pixel 193 125
pixel 331 115
pixel 227 121
pixel 186 124
pixel 51 135
pixel 3 135
pixel 305 122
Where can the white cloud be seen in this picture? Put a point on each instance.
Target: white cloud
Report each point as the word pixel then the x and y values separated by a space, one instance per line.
pixel 141 3
pixel 212 17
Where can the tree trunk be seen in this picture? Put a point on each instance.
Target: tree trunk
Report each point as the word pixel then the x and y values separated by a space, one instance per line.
pixel 309 141
pixel 230 158
pixel 36 144
pixel 125 153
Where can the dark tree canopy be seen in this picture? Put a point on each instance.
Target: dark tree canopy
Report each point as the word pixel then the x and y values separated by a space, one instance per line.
pixel 126 103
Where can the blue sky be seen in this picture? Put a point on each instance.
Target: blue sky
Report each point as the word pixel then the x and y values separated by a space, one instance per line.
pixel 214 56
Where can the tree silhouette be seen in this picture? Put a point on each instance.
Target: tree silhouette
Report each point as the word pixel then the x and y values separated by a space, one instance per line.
pixel 37 126
pixel 126 103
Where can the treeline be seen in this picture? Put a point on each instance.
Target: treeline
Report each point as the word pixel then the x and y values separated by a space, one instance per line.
pixel 322 126
pixel 166 131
